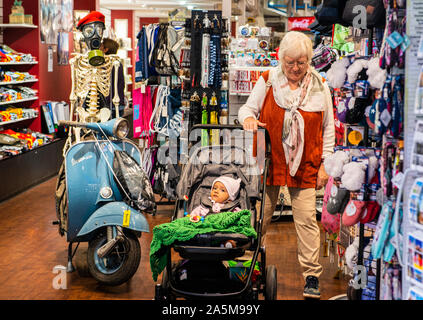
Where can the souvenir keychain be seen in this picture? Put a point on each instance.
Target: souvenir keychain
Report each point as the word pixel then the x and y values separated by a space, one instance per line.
pixel 216 23
pixel 197 24
pixel 204 118
pixel 206 21
pixel 195 109
pixel 213 119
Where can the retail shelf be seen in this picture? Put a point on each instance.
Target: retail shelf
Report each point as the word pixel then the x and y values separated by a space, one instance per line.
pixel 5 83
pixel 246 94
pixel 16 63
pixel 250 68
pixel 18 101
pixel 18 25
pixel 15 121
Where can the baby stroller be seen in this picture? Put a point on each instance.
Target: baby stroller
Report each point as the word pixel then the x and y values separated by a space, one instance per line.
pixel 203 271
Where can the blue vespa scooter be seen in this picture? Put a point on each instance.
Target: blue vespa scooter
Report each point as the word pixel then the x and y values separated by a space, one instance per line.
pixel 100 209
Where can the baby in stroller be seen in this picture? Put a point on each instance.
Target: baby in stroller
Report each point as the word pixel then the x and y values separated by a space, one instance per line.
pixel 223 198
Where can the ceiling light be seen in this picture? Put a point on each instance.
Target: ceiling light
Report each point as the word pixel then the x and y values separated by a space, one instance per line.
pixel 190 7
pixel 182 2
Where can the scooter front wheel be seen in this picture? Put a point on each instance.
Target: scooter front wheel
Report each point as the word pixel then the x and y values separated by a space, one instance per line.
pixel 119 265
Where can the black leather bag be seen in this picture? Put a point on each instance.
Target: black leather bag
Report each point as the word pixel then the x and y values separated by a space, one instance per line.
pixel 133 182
pixel 375 12
pixel 330 12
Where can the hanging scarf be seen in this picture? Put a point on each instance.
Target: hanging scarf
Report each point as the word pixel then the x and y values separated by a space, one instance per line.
pixel 310 98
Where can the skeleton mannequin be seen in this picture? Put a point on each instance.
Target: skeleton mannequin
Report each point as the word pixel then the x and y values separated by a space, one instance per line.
pixel 91 74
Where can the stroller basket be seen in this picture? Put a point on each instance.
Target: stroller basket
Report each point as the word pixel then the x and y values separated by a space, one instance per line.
pixel 208 246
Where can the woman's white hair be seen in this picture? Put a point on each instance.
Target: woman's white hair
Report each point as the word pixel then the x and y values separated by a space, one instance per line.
pixel 296 45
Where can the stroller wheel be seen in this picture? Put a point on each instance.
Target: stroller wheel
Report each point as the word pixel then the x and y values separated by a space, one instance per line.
pixel 271 288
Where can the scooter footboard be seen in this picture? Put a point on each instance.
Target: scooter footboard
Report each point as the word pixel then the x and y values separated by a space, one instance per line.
pixel 115 214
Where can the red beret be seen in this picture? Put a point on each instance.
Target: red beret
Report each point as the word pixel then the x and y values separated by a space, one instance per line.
pixel 93 16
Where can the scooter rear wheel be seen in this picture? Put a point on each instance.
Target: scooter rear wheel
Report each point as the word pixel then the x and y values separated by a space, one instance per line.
pixel 119 265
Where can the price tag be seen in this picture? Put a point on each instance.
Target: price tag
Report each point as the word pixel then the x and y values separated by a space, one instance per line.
pixel 164 111
pixel 126 218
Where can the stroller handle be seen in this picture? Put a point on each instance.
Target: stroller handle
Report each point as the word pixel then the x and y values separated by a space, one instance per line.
pixel 235 127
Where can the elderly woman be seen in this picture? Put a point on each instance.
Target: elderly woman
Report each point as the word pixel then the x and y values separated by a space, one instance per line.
pixel 294 104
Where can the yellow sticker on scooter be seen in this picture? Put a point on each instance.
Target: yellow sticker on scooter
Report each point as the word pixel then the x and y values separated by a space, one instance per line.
pixel 126 218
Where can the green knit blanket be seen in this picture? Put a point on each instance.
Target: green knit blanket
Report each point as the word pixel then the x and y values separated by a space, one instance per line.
pixel 183 229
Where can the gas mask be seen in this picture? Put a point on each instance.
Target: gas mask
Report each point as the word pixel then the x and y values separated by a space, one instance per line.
pixel 93 33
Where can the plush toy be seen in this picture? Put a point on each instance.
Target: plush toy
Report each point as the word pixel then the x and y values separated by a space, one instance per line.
pixel 336 75
pixel 372 168
pixel 351 253
pixel 377 76
pixel 335 162
pixel 354 175
pixel 355 69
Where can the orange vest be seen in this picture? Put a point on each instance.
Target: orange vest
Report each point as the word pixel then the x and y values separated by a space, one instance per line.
pixel 306 176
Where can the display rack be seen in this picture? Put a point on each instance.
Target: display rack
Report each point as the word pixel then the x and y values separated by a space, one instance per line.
pixel 20 172
pixel 18 25
pixel 5 83
pixel 17 63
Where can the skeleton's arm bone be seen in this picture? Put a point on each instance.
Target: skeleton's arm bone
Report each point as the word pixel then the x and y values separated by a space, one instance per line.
pixel 116 98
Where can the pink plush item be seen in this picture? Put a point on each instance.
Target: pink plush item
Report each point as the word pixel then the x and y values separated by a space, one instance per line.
pixel 330 222
pixel 353 212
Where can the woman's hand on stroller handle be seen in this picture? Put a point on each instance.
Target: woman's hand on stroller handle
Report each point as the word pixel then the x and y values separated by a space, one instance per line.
pixel 251 124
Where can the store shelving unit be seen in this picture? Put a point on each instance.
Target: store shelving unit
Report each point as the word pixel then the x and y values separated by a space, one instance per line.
pixel 18 25
pixel 5 83
pixel 15 121
pixel 17 101
pixel 6 29
pixel 29 168
pixel 17 63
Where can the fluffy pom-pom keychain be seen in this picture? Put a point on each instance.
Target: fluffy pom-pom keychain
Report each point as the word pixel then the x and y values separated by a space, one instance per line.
pixel 372 168
pixel 355 69
pixel 354 175
pixel 377 76
pixel 336 75
pixel 335 162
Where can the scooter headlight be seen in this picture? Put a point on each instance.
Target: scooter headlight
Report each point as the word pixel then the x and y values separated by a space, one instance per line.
pixel 106 192
pixel 121 128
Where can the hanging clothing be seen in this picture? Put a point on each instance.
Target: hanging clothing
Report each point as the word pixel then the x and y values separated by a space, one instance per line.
pixel 141 63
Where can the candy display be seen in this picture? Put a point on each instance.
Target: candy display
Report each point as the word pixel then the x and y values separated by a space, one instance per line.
pixel 13 142
pixel 10 76
pixel 11 113
pixel 11 94
pixel 7 54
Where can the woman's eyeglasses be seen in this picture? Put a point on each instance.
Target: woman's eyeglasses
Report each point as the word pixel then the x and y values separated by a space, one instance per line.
pixel 291 64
